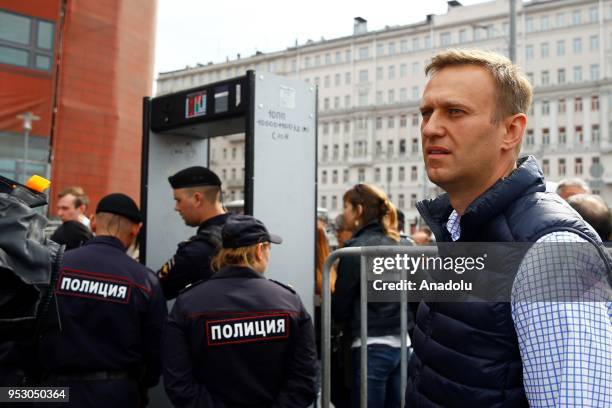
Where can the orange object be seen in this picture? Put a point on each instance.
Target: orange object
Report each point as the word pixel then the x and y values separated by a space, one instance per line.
pixel 38 183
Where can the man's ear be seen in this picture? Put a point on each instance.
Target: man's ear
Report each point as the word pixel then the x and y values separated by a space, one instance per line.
pixel 515 129
pixel 93 223
pixel 136 229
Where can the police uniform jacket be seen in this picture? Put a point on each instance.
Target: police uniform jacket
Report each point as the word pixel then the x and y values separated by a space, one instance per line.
pixel 112 311
pixel 239 340
pixel 191 263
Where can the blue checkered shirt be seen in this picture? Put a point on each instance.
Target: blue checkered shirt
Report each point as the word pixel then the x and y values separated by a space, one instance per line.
pixel 566 347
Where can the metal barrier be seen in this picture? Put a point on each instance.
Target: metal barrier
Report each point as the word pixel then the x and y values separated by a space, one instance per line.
pixel 362 252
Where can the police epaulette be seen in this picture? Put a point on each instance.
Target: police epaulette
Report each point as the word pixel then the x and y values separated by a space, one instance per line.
pixel 192 285
pixel 284 285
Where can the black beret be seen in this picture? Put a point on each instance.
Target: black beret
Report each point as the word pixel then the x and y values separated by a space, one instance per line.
pixel 194 176
pixel 245 230
pixel 120 204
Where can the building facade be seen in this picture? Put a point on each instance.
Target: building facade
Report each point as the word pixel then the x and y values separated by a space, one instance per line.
pixel 83 69
pixel 370 84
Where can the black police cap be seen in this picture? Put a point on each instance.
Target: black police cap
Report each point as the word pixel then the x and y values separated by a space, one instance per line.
pixel 194 176
pixel 245 230
pixel 120 204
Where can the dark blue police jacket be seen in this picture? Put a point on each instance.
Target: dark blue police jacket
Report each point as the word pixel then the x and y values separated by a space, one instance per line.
pixel 112 311
pixel 467 354
pixel 238 340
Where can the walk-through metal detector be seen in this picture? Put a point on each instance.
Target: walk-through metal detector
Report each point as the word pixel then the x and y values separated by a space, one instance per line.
pixel 278 118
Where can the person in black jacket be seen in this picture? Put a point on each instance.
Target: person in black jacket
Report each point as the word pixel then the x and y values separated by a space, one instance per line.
pixel 197 196
pixel 372 218
pixel 239 339
pixel 112 311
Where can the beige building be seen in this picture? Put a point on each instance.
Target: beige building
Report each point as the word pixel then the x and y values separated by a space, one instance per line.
pixel 370 82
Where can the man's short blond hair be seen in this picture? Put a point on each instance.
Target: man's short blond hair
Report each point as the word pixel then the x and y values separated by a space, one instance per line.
pixel 513 90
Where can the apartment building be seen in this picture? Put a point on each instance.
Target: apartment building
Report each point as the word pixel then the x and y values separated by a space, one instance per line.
pixel 369 86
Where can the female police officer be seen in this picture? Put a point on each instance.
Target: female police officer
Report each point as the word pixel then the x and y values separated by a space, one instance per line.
pixel 239 339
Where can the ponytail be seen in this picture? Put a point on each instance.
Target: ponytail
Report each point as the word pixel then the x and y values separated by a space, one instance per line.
pixel 376 207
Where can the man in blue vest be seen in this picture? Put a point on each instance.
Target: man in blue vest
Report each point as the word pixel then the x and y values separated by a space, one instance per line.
pixel 502 354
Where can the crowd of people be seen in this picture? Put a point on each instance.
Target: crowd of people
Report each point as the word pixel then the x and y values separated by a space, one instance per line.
pixel 234 338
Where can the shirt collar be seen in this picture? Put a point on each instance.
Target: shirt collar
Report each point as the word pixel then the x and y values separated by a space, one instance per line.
pixel 108 240
pixel 233 271
pixel 216 220
pixel 453 225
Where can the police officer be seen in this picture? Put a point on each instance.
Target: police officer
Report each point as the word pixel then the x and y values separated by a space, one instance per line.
pixel 239 339
pixel 112 311
pixel 197 194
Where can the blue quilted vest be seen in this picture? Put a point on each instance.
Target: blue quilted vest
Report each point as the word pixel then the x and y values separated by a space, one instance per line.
pixel 467 354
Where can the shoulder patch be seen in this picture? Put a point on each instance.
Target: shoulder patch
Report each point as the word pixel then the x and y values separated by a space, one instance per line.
pixel 284 285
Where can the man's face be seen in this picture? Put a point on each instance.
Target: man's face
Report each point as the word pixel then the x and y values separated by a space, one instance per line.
pixel 186 205
pixel 461 144
pixel 66 209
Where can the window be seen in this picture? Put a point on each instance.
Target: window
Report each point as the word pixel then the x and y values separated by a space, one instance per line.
pixel 414 174
pixel 561 106
pixel 400 201
pixel 462 36
pixel 336 127
pixel 402 147
pixel 364 52
pixel 415 44
pixel 335 176
pixel 545 108
pixel 390 148
pixel 545 78
pixel 530 77
pixel 389 174
pixel 363 98
pixel 317 60
pixel 561 76
pixel 324 201
pixel 403 70
pixel 327 59
pixel 544 50
pixel 337 80
pixel 415 119
pixel 378 151
pixel 379 73
pixel 593 15
pixel 307 62
pixel 595 135
pixel 560 20
pixel 233 153
pixel 401 173
pixel 391 72
pixel 594 41
pixel 427 41
pixel 445 39
pixel 347 78
pixel 391 122
pixel 529 138
pixel 561 167
pixel 403 95
pixel 324 177
pixel 403 121
pixel 26 42
pixel 345 176
pixel 336 102
pixel 363 75
pixel 545 137
pixel 347 101
pixel 361 175
pixel 391 48
pixel 415 68
pixel 578 166
pixel 347 56
pixel 403 46
pixel 380 49
pixel 326 81
pixel 562 136
pixel 529 52
pixel 345 151
pixel 578 135
pixel 326 103
pixel 413 200
pixel 338 57
pixel 544 23
pixel 560 48
pixel 594 72
pixel 391 96
pixel 594 103
pixel 379 97
pixel 577 104
pixel 377 175
pixel 576 17
pixel 415 145
pixel 415 92
pixel 336 152
pixel 529 24
pixel 577 45
pixel 577 74
pixel 334 202
pixel 325 128
pixel 546 167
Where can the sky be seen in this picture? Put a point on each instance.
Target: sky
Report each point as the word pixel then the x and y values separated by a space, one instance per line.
pixel 201 31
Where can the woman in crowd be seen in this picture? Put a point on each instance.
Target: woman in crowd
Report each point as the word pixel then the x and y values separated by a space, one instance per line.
pixel 373 219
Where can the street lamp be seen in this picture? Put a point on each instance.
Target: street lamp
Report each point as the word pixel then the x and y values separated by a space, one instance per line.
pixel 27 118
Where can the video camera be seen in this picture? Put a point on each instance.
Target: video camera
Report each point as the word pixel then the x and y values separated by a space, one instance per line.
pixel 29 262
